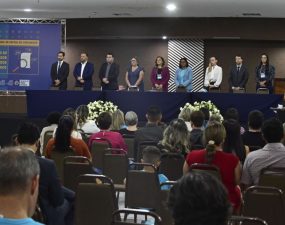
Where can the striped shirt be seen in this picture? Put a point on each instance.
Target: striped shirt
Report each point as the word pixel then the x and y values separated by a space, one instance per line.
pixel 271 155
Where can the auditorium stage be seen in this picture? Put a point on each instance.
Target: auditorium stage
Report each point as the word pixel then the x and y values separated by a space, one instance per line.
pixel 41 102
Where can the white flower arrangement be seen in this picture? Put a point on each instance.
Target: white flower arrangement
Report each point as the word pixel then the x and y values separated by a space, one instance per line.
pixel 97 107
pixel 213 110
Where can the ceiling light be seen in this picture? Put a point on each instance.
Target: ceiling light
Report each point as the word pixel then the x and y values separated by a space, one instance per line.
pixel 28 10
pixel 171 7
pixel 164 37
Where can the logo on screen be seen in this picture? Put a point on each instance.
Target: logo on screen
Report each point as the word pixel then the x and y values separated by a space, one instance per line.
pixel 24 83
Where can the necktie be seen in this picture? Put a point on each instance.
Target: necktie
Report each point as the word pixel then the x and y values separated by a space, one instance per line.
pixel 58 67
pixel 238 68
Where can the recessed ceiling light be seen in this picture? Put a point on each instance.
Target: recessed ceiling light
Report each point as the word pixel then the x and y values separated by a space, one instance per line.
pixel 171 7
pixel 28 10
pixel 164 37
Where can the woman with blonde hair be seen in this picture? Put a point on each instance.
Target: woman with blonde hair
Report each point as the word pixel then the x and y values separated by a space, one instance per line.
pixel 118 121
pixel 228 163
pixel 185 115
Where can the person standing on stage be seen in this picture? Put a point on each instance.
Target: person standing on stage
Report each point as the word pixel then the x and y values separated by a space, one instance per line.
pixel 184 75
pixel 83 72
pixel 265 74
pixel 59 72
pixel 214 75
pixel 134 75
pixel 109 73
pixel 238 75
pixel 160 75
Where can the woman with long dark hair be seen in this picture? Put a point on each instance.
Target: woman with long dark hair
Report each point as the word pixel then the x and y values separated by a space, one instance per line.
pixel 63 141
pixel 160 75
pixel 265 73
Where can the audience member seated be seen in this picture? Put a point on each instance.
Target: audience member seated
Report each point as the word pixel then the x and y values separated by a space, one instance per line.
pixel 185 115
pixel 233 141
pixel 118 121
pixel 152 131
pixel 87 126
pixel 151 155
pixel 175 138
pixel 131 119
pixel 199 199
pixel 253 136
pixel 214 119
pixel 196 135
pixel 228 163
pixel 63 140
pixel 272 154
pixel 71 112
pixel 206 113
pixel 52 120
pixel 56 201
pixel 232 113
pixel 19 185
pixel 104 122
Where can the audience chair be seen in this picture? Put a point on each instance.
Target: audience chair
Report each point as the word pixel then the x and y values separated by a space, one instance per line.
pixel 77 88
pixel 206 168
pixel 243 220
pixel 135 213
pixel 130 141
pixel 98 147
pixel 54 88
pixel 141 146
pixel 95 200
pixel 85 136
pixel 47 136
pixel 197 147
pixel 73 167
pixel 172 165
pixel 215 90
pixel 266 203
pixel 262 91
pixel 133 89
pixel 239 91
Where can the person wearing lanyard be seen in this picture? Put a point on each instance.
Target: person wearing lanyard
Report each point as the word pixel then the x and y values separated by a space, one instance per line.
pixel 184 76
pixel 265 74
pixel 214 75
pixel 160 75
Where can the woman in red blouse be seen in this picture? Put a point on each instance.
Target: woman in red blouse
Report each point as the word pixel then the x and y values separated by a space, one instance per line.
pixel 228 163
pixel 160 75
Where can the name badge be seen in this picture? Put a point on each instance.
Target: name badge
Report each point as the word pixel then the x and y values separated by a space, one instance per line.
pixel 262 75
pixel 158 76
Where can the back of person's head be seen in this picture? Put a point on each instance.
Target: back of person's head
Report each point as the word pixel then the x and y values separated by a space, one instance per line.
pixel 19 176
pixel 176 137
pixel 185 114
pixel 206 113
pixel 199 199
pixel 28 134
pixel 255 119
pixel 197 118
pixel 82 113
pixel 151 154
pixel 53 118
pixel 233 141
pixel 104 121
pixel 71 112
pixel 214 119
pixel 214 135
pixel 131 118
pixel 232 113
pixel 153 114
pixel 272 130
pixel 63 133
pixel 117 120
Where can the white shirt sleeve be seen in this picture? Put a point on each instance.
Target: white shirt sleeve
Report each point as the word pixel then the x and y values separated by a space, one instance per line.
pixel 207 78
pixel 219 75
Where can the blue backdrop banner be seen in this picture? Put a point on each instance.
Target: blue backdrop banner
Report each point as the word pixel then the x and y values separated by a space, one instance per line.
pixel 26 54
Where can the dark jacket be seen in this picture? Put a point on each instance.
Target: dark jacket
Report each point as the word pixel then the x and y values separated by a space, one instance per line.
pixel 112 76
pixel 238 79
pixel 269 74
pixel 61 74
pixel 196 139
pixel 87 75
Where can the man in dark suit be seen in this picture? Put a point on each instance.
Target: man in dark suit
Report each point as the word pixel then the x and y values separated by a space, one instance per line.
pixel 55 200
pixel 109 73
pixel 83 72
pixel 238 75
pixel 59 72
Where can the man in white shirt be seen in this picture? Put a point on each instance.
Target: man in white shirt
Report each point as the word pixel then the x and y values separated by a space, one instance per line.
pixel 213 75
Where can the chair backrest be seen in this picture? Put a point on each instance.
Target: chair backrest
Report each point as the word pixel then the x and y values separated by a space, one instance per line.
pixel 95 200
pixel 142 188
pixel 58 158
pixel 266 203
pixel 133 88
pixel 130 140
pixel 239 91
pixel 206 168
pixel 85 136
pixel 115 165
pixel 134 213
pixel 172 165
pixel 262 91
pixel 197 147
pixel 273 177
pixel 98 147
pixel 47 136
pixel 73 167
pixel 243 220
pixel 141 147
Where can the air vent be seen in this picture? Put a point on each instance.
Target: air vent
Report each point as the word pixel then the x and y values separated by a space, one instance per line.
pixel 251 14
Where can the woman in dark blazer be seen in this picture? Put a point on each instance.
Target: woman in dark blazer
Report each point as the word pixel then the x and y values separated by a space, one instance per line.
pixel 160 75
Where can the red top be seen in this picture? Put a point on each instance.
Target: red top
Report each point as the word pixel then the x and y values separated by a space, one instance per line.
pixel 227 163
pixel 115 139
pixel 165 76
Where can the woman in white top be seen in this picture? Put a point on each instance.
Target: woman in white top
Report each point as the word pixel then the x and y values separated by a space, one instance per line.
pixel 214 75
pixel 87 126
